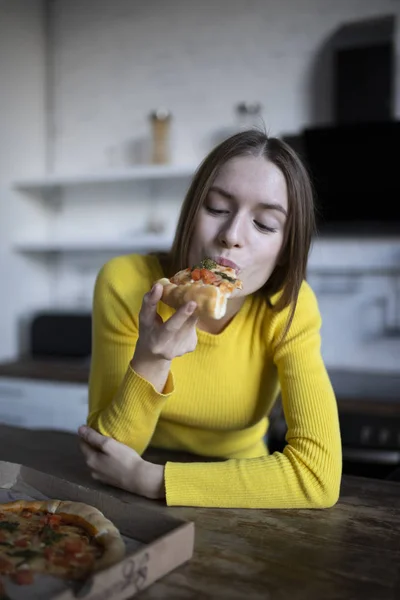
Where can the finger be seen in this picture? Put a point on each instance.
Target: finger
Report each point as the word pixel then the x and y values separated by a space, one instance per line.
pixel 85 449
pixel 89 454
pixel 97 476
pixel 93 438
pixel 180 318
pixel 192 321
pixel 148 309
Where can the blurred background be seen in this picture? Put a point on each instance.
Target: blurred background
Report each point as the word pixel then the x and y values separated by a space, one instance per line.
pixel 106 109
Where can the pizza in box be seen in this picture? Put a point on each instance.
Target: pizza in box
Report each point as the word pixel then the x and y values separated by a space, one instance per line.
pixel 69 540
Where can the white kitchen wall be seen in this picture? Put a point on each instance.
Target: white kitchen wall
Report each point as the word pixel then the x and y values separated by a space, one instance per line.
pixel 113 62
pixel 24 284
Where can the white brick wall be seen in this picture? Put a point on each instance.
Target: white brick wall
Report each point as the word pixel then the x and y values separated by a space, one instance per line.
pixel 24 285
pixel 114 61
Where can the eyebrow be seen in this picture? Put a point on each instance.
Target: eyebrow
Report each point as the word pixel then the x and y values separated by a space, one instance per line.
pixel 265 205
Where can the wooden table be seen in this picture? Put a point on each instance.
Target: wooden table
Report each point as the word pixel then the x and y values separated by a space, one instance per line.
pixel 349 552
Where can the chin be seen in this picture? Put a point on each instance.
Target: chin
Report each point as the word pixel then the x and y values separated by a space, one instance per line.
pixel 250 288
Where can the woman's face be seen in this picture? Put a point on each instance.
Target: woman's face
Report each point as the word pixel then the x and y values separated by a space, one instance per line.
pixel 243 220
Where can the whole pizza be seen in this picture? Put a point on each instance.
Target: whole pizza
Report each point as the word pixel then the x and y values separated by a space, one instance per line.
pixel 69 540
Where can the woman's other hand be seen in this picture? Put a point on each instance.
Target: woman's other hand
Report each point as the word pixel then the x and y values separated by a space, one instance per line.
pixel 118 465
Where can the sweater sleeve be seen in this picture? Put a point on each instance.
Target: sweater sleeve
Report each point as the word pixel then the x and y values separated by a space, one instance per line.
pixel 122 404
pixel 307 473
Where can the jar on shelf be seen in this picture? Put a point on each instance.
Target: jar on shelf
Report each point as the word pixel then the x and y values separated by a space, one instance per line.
pixel 161 132
pixel 249 115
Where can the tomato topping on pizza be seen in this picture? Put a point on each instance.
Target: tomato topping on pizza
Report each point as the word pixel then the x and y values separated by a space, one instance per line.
pixel 209 284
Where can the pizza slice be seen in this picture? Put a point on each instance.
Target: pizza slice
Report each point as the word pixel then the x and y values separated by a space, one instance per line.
pixel 208 284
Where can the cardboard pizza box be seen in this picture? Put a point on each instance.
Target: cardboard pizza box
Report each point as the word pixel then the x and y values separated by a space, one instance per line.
pixel 156 543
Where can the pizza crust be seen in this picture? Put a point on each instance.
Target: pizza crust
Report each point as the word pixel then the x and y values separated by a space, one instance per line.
pixel 88 517
pixel 211 301
pixel 33 505
pixel 97 525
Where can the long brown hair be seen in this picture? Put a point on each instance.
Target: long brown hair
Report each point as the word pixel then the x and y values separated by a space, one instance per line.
pixel 290 270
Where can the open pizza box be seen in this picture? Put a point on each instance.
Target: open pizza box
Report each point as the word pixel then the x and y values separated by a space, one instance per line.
pixel 156 543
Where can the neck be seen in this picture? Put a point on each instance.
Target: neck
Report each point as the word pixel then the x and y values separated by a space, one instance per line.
pixel 217 326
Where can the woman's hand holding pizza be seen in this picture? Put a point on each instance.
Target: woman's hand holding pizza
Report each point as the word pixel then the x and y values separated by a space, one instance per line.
pixel 175 337
pixel 160 342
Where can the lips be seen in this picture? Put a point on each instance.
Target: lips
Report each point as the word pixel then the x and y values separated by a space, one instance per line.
pixel 225 262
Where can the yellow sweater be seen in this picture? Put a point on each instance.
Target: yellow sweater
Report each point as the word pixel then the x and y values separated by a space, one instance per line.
pixel 217 399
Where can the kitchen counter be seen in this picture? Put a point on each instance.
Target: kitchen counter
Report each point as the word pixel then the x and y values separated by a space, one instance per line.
pixel 64 371
pixel 379 390
pixel 368 403
pixel 348 552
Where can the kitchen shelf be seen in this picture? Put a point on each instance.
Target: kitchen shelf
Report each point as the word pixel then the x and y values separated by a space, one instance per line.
pixel 138 173
pixel 146 242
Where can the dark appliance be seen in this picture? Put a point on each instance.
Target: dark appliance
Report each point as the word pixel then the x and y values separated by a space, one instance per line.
pixel 354 168
pixel 60 335
pixel 363 71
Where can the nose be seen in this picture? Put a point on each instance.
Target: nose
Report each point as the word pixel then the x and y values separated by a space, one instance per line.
pixel 231 235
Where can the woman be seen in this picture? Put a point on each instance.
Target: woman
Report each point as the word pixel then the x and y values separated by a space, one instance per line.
pixel 165 378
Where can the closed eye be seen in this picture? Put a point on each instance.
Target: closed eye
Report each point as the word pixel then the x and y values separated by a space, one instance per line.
pixel 215 211
pixel 260 226
pixel 264 228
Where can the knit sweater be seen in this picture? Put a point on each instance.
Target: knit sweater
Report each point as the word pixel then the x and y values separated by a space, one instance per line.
pixel 217 399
